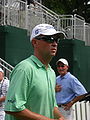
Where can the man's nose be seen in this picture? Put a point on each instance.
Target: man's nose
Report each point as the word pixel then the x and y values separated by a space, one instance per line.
pixel 54 43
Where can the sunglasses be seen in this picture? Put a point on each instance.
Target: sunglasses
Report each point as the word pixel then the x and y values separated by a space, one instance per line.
pixel 49 39
pixel 60 65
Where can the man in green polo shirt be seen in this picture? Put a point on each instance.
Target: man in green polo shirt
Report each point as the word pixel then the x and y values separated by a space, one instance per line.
pixel 31 95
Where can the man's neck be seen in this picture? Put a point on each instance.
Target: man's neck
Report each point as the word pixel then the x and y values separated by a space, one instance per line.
pixel 64 74
pixel 44 60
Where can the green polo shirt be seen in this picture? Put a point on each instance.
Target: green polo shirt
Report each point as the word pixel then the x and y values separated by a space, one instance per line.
pixel 32 86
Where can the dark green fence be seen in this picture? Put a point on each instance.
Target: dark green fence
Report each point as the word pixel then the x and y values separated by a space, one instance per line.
pixel 14 44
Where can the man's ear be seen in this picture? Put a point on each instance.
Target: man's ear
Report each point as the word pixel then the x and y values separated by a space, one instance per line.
pixel 34 42
pixel 68 67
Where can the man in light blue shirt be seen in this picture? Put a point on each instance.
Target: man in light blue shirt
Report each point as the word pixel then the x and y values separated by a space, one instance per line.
pixel 69 90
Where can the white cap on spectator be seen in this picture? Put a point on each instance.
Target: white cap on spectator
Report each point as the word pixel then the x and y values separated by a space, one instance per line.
pixel 1 70
pixel 46 29
pixel 62 60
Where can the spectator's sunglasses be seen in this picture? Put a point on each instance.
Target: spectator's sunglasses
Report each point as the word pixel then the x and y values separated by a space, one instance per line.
pixel 49 39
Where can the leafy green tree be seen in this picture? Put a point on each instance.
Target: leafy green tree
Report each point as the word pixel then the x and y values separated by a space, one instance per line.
pixel 79 7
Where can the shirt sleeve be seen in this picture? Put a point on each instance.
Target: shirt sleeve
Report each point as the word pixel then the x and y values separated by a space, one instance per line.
pixel 78 88
pixel 18 91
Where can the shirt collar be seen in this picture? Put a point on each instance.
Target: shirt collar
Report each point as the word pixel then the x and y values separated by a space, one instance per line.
pixel 65 76
pixel 1 81
pixel 38 62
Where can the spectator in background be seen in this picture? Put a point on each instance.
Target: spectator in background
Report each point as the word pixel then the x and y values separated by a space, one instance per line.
pixel 30 2
pixel 69 90
pixel 31 95
pixel 22 4
pixel 4 84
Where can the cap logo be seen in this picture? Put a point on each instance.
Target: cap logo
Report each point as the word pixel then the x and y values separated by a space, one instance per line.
pixel 36 31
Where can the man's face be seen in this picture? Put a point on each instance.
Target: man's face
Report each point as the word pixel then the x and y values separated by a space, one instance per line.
pixel 45 48
pixel 1 76
pixel 62 69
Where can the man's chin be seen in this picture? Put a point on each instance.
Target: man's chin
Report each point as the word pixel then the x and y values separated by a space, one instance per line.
pixel 62 73
pixel 53 54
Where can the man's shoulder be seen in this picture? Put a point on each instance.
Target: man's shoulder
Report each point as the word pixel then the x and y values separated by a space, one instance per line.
pixel 71 75
pixel 24 63
pixel 26 66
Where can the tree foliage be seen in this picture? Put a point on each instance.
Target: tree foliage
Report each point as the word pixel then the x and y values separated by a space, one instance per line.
pixel 79 7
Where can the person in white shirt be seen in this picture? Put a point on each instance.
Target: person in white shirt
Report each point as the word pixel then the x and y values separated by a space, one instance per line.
pixel 4 84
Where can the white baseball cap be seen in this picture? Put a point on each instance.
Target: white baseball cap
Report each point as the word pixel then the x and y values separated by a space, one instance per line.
pixel 45 29
pixel 1 70
pixel 62 60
